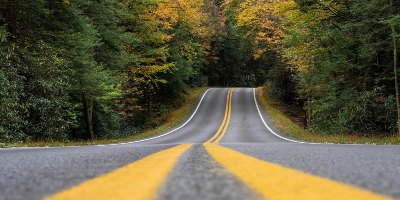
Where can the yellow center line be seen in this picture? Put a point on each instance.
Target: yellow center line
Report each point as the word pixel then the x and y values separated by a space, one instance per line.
pixel 138 180
pixel 226 116
pixel 223 121
pixel 228 120
pixel 276 182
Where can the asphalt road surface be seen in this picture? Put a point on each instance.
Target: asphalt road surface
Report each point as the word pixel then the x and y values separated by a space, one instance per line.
pixel 227 148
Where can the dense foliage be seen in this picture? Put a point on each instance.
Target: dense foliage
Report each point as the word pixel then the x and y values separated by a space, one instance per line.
pixel 341 55
pixel 85 69
pixel 73 69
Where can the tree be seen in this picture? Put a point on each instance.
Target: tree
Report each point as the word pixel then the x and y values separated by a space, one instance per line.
pixel 393 23
pixel 10 116
pixel 34 73
pixel 340 62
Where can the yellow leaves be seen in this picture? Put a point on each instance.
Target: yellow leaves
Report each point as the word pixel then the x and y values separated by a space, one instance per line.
pixel 166 14
pixel 258 17
pixel 258 52
pixel 270 22
pixel 302 51
pixel 187 17
pixel 148 76
pixel 254 12
pixel 152 69
pixel 299 57
pixel 283 8
pixel 188 13
pixel 166 37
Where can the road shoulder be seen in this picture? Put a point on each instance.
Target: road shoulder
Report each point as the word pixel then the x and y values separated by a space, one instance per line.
pixel 286 126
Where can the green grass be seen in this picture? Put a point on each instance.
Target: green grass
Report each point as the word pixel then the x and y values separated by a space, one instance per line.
pixel 169 120
pixel 288 127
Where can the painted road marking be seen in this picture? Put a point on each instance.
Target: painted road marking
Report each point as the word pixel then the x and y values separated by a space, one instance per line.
pixel 184 124
pixel 273 181
pixel 228 120
pixel 266 125
pixel 227 116
pixel 287 139
pixel 224 120
pixel 133 142
pixel 138 180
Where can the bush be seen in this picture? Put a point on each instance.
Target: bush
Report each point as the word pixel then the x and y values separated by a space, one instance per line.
pixel 368 112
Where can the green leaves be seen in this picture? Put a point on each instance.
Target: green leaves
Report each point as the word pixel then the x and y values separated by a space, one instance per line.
pixel 348 56
pixel 392 21
pixel 336 57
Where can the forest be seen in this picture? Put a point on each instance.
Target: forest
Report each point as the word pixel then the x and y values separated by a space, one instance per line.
pixel 89 69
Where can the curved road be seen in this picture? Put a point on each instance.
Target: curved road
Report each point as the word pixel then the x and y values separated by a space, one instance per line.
pixel 227 153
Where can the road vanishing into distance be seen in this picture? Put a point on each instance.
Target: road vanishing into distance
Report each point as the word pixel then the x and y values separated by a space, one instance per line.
pixel 227 148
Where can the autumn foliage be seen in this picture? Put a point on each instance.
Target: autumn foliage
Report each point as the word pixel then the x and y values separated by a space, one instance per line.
pixel 85 69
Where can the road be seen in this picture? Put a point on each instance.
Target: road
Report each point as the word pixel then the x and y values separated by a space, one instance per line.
pixel 222 150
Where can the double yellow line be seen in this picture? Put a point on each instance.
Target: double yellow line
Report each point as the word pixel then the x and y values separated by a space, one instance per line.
pixel 143 178
pixel 227 117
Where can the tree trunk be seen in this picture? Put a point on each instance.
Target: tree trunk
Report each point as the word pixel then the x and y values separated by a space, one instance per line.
pixel 228 77
pixel 11 16
pixel 396 78
pixel 307 115
pixel 88 112
pixel 395 68
pixel 150 105
pixel 305 119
